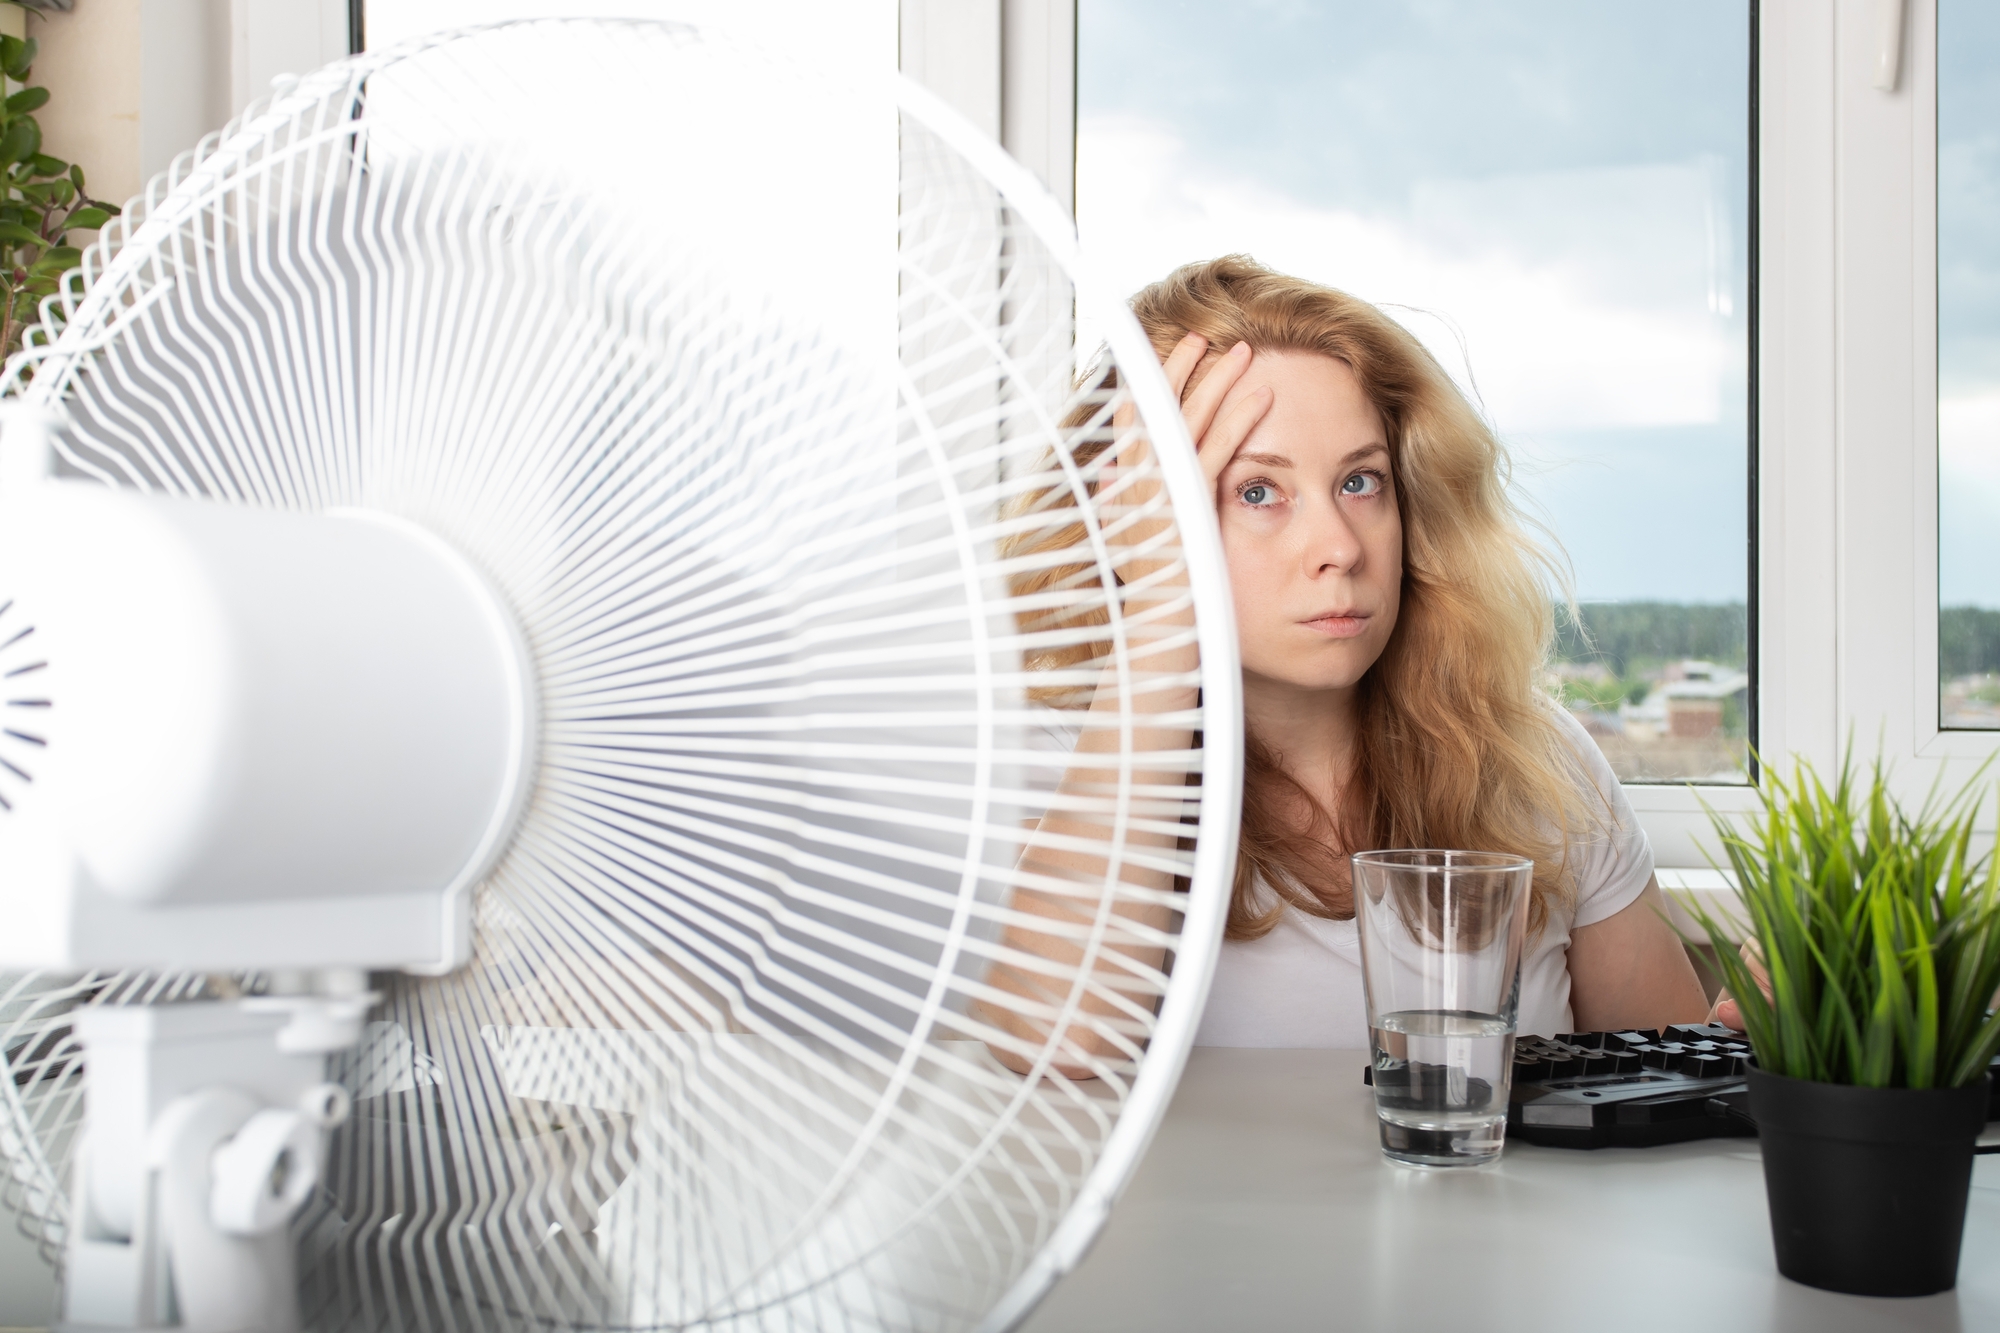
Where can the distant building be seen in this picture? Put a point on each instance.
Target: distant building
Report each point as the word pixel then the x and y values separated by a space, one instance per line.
pixel 1687 704
pixel 1694 719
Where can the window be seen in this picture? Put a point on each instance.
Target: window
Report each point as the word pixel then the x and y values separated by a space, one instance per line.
pixel 1555 196
pixel 1968 368
pixel 1851 543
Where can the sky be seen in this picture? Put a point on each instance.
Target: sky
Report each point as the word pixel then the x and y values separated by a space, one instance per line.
pixel 1969 303
pixel 1552 194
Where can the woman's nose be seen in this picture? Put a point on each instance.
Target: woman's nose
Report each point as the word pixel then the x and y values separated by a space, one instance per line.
pixel 1331 544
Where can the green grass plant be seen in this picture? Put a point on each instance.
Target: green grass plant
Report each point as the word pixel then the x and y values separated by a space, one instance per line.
pixel 1879 930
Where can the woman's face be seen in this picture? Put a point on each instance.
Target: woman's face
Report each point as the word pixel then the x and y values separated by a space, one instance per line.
pixel 1310 526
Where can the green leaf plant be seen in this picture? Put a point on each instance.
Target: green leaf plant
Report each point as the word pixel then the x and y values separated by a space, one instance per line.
pixel 1879 930
pixel 42 200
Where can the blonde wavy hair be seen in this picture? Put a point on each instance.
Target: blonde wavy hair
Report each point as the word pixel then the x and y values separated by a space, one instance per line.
pixel 1458 744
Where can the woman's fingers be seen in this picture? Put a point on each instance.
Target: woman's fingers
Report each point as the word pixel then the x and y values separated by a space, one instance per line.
pixel 1753 958
pixel 1228 434
pixel 1215 442
pixel 1200 406
pixel 1180 362
pixel 1727 1011
pixel 1133 447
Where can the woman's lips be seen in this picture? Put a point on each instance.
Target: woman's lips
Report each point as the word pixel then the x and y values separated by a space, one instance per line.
pixel 1338 626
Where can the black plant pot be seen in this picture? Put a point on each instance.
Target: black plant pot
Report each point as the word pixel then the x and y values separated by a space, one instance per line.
pixel 1867 1185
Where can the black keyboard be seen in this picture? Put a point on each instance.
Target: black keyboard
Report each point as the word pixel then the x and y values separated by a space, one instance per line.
pixel 1630 1089
pixel 1635 1089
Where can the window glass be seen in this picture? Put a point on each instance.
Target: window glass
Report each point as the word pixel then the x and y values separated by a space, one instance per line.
pixel 1968 184
pixel 855 34
pixel 1554 195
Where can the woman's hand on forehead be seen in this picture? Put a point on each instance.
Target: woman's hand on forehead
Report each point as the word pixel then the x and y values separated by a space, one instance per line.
pixel 1217 435
pixel 1215 440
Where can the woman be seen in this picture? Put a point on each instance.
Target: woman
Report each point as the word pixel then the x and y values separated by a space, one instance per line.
pixel 1393 617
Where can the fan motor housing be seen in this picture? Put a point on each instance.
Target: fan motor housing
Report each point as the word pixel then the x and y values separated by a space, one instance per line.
pixel 270 738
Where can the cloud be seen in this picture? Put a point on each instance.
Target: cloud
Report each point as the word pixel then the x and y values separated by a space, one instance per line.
pixel 1968 498
pixel 1576 300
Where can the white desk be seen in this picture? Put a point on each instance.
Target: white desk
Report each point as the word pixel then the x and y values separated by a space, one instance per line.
pixel 1264 1204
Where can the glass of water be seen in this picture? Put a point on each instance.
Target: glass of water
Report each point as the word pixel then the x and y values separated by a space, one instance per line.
pixel 1441 936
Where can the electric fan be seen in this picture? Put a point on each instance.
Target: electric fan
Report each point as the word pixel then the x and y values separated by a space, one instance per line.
pixel 604 727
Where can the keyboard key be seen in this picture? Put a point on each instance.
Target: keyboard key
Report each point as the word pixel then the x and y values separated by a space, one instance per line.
pixel 1698 1050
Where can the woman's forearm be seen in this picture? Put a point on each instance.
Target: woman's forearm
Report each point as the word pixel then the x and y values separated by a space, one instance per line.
pixel 1631 971
pixel 1069 899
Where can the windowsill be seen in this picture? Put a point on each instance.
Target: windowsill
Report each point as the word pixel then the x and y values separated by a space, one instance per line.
pixel 1712 890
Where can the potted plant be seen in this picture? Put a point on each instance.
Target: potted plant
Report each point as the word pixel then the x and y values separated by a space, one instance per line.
pixel 42 200
pixel 1866 994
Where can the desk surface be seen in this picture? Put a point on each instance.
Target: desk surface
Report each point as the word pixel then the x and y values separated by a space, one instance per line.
pixel 1264 1204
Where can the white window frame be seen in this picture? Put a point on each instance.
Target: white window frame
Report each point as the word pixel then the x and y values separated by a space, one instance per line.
pixel 1846 359
pixel 1849 359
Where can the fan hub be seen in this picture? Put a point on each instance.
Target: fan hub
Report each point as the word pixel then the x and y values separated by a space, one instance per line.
pixel 263 726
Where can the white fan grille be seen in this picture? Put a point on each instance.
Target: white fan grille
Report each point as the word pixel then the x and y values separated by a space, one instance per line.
pixel 720 1058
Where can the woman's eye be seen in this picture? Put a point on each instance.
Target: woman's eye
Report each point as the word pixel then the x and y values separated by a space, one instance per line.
pixel 1258 494
pixel 1361 483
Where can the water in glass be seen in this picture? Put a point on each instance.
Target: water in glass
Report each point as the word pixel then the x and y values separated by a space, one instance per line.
pixel 1441 1081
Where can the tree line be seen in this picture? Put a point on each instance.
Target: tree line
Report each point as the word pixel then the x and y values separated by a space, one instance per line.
pixel 1968 641
pixel 1622 634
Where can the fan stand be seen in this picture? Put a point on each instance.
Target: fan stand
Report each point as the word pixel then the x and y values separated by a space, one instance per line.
pixel 202 1137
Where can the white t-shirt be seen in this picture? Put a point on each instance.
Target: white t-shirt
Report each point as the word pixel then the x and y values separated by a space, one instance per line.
pixel 1300 985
